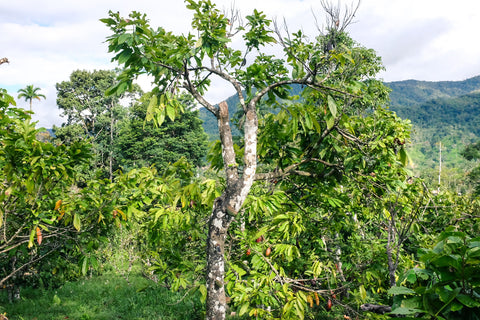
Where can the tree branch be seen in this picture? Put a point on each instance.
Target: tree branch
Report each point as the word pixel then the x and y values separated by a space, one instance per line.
pixel 292 169
pixel 2 281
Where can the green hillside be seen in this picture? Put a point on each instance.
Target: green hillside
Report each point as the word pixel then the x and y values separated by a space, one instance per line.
pixel 445 115
pixel 414 92
pixel 443 111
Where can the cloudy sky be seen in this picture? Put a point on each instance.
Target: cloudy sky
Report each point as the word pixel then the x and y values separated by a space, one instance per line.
pixel 45 40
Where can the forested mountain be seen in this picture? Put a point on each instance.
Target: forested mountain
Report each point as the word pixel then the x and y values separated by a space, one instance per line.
pixel 446 111
pixel 414 92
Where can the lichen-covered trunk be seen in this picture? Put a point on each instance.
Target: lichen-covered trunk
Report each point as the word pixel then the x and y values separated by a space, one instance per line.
pixel 217 230
pixel 392 266
pixel 227 205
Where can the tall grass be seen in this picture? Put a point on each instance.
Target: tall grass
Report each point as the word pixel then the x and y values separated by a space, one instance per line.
pixel 104 297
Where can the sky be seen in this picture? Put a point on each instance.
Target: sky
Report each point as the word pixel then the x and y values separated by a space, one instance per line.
pixel 46 40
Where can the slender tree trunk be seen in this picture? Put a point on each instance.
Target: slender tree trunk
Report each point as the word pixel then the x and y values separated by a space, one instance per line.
pixel 226 206
pixel 338 257
pixel 392 266
pixel 110 160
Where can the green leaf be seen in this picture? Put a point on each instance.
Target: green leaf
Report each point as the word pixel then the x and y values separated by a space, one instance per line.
pixel 330 121
pixel 123 38
pixel 308 121
pixel 123 56
pixel 468 301
pixel 84 265
pixel 203 290
pixel 405 311
pixel 244 309
pixel 170 111
pixel 76 221
pixel 32 237
pixel 412 277
pixel 403 156
pixel 363 292
pixel 152 104
pixel 108 21
pixel 400 290
pixel 332 106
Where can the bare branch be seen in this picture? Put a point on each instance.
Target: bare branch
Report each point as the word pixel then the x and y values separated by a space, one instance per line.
pixel 234 18
pixel 336 22
pixel 188 85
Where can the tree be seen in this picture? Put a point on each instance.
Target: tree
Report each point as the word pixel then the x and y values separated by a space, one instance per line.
pixel 141 143
pixel 36 179
pixel 472 153
pixel 30 93
pixel 337 72
pixel 90 114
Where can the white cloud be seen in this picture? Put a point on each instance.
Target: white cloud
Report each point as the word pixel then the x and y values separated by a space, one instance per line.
pixel 46 40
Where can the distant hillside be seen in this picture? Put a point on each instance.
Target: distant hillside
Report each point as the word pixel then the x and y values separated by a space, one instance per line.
pixel 210 124
pixel 414 92
pixel 461 111
pixel 444 114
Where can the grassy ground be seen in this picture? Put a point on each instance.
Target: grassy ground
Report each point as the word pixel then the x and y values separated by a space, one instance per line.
pixel 105 297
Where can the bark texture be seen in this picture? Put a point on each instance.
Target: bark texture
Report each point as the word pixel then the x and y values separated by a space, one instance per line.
pixel 227 205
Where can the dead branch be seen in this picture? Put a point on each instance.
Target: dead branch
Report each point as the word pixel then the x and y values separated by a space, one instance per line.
pixel 335 20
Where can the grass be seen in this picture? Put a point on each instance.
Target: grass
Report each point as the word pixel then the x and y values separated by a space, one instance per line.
pixel 104 297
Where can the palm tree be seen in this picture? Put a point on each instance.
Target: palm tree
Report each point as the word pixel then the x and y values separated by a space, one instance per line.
pixel 30 93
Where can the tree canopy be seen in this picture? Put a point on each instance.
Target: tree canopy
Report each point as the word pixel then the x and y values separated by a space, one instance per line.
pixel 316 140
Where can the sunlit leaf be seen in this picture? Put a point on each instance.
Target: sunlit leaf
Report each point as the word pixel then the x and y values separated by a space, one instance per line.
pixel 76 221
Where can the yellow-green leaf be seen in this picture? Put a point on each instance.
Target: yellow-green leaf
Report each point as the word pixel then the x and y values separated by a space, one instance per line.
pixel 76 221
pixel 332 106
pixel 170 111
pixel 151 107
pixel 330 121
pixel 363 292
pixel 403 156
pixel 32 236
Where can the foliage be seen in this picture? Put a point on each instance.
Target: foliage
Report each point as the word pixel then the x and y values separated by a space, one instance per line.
pixel 171 210
pixel 313 154
pixel 36 178
pixel 472 153
pixel 413 92
pixel 447 286
pixel 119 134
pixel 140 143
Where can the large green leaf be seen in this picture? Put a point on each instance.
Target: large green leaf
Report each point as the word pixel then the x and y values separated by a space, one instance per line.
pixel 332 106
pixel 468 301
pixel 400 290
pixel 76 221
